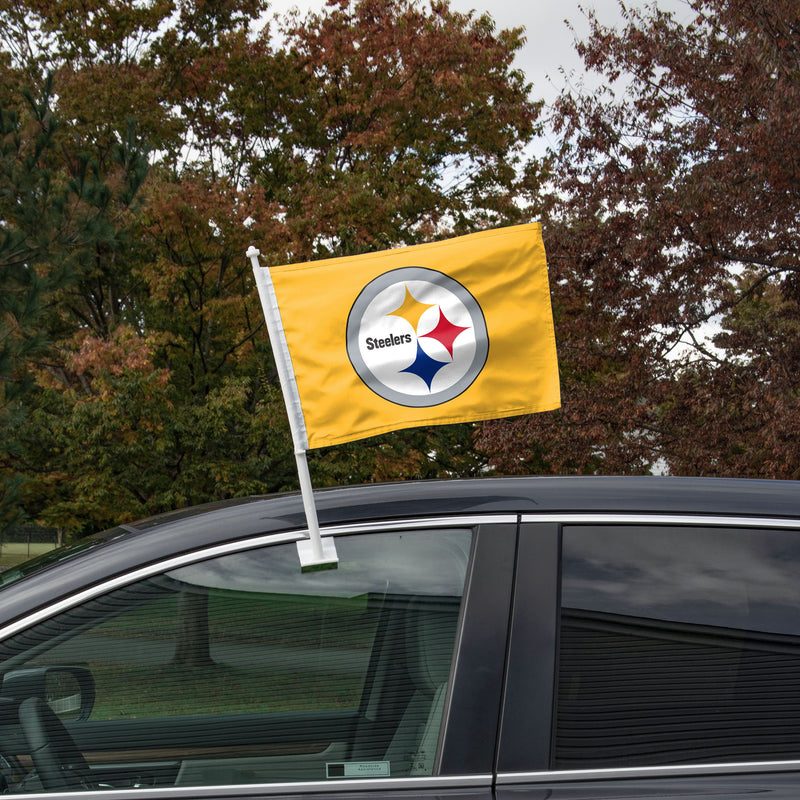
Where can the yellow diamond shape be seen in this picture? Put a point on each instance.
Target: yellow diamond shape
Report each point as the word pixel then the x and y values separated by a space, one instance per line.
pixel 411 310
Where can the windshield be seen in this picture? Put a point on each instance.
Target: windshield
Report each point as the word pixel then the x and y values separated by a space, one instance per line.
pixel 52 557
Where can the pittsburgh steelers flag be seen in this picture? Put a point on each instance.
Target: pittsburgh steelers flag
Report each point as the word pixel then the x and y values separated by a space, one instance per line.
pixel 452 331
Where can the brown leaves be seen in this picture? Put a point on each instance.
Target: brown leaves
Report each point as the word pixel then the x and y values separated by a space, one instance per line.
pixel 396 117
pixel 678 202
pixel 90 364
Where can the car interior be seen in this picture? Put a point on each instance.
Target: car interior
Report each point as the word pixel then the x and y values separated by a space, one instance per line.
pixel 392 730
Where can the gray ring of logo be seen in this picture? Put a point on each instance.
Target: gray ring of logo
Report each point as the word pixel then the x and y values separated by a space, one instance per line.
pixel 369 292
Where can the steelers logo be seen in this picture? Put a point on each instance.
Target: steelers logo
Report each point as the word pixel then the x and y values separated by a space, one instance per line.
pixel 416 337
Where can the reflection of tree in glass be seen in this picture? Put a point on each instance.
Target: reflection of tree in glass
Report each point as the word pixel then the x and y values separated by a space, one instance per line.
pixel 192 646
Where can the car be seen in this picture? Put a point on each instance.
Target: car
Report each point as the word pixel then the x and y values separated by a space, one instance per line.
pixel 509 638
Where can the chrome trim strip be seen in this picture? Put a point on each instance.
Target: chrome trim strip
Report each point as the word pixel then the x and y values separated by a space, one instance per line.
pixel 261 789
pixel 424 522
pixel 143 572
pixel 235 547
pixel 661 518
pixel 682 770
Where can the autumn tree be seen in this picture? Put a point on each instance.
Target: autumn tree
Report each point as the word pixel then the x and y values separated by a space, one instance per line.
pixel 386 122
pixel 103 441
pixel 676 216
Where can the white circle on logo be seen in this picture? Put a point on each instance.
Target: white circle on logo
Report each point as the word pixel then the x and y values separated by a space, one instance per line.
pixel 416 337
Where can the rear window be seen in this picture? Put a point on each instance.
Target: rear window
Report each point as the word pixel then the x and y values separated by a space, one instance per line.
pixel 678 645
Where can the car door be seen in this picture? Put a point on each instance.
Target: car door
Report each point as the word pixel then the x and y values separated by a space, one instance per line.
pixel 653 656
pixel 233 667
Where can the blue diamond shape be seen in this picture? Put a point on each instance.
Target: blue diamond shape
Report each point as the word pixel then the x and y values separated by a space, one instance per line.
pixel 425 367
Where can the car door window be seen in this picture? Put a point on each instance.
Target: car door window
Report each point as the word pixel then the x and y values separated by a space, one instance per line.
pixel 244 669
pixel 678 645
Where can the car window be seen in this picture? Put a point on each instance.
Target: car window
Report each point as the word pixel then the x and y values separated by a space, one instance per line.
pixel 52 557
pixel 678 645
pixel 244 669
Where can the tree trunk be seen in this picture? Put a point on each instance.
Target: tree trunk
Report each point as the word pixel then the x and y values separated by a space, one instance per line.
pixel 193 648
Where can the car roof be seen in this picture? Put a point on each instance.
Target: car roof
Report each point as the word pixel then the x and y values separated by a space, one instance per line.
pixel 518 495
pixel 158 538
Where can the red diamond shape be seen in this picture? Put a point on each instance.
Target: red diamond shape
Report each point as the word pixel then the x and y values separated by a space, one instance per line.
pixel 445 332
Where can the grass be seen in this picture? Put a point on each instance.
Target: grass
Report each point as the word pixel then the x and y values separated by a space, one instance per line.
pixel 266 619
pixel 168 690
pixel 255 629
pixel 12 554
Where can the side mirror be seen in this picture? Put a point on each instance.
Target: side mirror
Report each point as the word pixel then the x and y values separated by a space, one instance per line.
pixel 68 690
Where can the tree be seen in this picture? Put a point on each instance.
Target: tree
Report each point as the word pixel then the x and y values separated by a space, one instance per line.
pixel 193 643
pixel 375 123
pixel 22 291
pixel 386 122
pixel 54 231
pixel 677 206
pixel 747 402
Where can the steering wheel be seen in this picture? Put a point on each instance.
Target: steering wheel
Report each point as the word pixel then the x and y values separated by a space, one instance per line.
pixel 58 762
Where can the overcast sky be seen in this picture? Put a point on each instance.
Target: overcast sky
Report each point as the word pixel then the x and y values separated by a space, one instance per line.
pixel 549 44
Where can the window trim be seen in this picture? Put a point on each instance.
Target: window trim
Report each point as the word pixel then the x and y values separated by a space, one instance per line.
pixel 435 782
pixel 241 545
pixel 471 726
pixel 662 518
pixel 538 776
pixel 527 713
pixel 665 771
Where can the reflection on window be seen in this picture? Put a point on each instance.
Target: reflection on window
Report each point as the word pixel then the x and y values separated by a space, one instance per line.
pixel 678 645
pixel 243 669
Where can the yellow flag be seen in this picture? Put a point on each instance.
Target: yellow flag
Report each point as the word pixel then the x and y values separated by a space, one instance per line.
pixel 452 331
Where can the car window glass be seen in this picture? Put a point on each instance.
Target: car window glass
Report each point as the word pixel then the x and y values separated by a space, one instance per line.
pixel 244 669
pixel 678 645
pixel 60 554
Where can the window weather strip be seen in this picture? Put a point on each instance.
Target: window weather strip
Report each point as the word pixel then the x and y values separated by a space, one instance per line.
pixel 184 559
pixel 246 790
pixel 674 771
pixel 660 518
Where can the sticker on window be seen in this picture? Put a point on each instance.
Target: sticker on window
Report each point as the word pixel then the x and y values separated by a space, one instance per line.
pixel 358 769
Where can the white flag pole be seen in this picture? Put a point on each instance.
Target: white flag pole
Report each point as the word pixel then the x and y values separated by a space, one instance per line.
pixel 315 553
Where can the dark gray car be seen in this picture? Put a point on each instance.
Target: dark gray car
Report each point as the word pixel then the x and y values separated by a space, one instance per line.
pixel 512 638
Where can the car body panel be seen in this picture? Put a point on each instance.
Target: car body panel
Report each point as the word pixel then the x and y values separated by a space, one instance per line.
pixel 499 716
